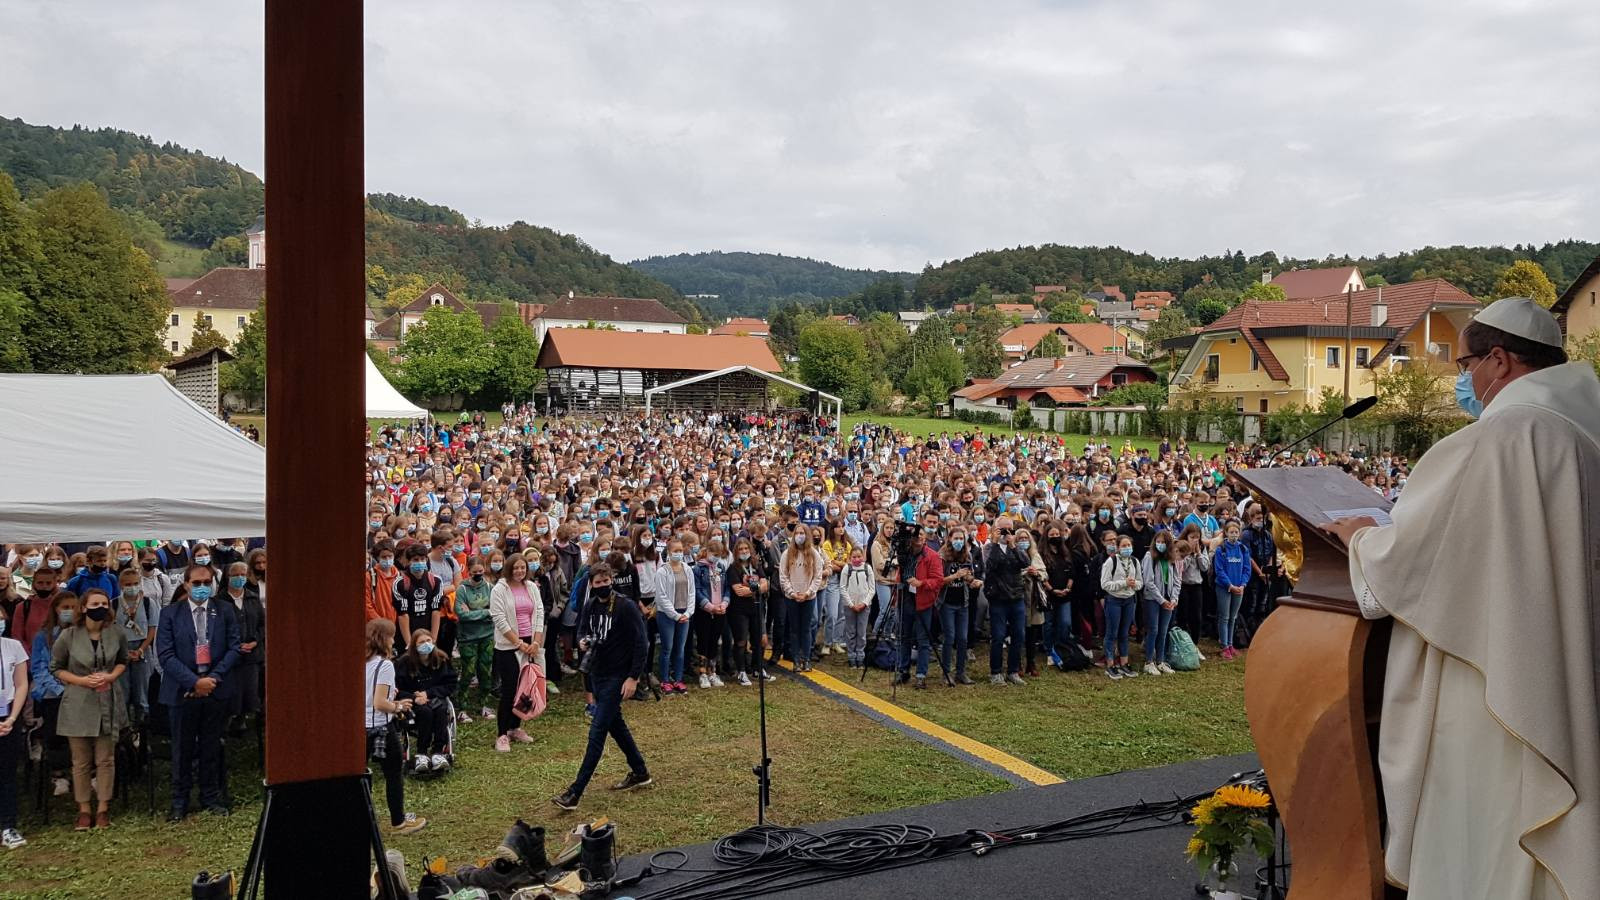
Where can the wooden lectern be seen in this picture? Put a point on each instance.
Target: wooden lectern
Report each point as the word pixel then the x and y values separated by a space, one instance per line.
pixel 1313 688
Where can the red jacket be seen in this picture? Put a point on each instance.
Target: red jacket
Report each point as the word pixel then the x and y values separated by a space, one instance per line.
pixel 930 578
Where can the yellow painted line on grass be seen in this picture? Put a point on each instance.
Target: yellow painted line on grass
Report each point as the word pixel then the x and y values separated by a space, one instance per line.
pixel 994 756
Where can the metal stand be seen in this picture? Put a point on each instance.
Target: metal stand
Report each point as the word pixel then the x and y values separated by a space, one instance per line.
pixel 762 771
pixel 331 821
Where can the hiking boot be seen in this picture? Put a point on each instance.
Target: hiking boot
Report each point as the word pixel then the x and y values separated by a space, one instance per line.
pixel 634 780
pixel 567 800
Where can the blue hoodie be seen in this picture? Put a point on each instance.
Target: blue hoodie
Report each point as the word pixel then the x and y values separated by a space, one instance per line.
pixel 1231 565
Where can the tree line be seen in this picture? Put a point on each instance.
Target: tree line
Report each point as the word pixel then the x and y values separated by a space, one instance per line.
pixel 754 284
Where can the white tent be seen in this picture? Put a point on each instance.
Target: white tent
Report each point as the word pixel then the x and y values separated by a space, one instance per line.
pixel 383 401
pixel 99 457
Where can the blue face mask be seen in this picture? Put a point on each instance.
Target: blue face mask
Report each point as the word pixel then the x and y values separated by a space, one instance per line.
pixel 418 567
pixel 236 581
pixel 425 648
pixel 1465 398
pixel 200 593
pixel 1160 547
pixel 957 543
pixel 1124 551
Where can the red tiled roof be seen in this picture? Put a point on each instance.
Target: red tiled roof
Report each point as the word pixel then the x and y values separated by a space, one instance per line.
pixel 1065 371
pixel 600 349
pixel 1094 337
pixel 1151 299
pixel 1407 303
pixel 743 325
pixel 177 284
pixel 425 300
pixel 1026 309
pixel 229 288
pixel 1300 284
pixel 1148 314
pixel 1048 288
pixel 978 389
pixel 489 312
pixel 611 309
pixel 1113 291
pixel 1065 394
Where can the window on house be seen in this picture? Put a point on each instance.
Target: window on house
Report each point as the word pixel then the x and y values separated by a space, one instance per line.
pixel 1444 352
pixel 206 321
pixel 1403 350
pixel 174 346
pixel 1119 378
pixel 1238 404
pixel 437 299
pixel 1213 367
pixel 240 320
pixel 1332 357
pixel 1263 404
pixel 174 318
pixel 1255 361
pixel 1361 356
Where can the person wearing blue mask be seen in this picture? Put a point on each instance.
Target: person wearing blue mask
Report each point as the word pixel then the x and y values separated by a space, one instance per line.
pixel 425 677
pixel 197 645
pixel 1230 567
pixel 1120 579
pixel 418 594
pixel 245 699
pixel 963 580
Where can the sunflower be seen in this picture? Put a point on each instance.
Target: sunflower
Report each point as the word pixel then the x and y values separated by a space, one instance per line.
pixel 1195 848
pixel 1241 797
pixel 1202 811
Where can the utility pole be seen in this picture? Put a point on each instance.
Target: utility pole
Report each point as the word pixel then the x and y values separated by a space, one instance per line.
pixel 1345 362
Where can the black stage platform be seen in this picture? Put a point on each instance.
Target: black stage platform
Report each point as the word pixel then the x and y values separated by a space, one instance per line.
pixel 1149 865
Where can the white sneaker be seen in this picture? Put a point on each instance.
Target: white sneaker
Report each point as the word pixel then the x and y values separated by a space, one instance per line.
pixel 441 763
pixel 420 765
pixel 744 679
pixel 60 789
pixel 11 839
pixel 704 681
pixel 463 717
pixel 770 677
pixel 486 713
pixel 997 679
pixel 838 648
pixel 1016 679
pixel 551 689
pixel 716 681
pixel 1165 669
pixel 1151 668
pixel 825 650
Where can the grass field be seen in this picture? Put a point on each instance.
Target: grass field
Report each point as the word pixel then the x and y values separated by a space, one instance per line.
pixel 829 762
pixel 922 426
pixel 180 260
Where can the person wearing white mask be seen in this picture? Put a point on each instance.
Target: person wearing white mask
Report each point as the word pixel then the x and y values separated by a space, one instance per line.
pixel 1489 746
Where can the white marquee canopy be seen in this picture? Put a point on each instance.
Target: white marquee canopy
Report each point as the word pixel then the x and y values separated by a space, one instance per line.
pixel 100 457
pixel 383 401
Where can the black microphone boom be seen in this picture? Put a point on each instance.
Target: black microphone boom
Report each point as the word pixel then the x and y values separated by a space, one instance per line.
pixel 1350 412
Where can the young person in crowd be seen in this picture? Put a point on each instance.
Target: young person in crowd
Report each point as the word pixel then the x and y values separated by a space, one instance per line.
pixel 516 612
pixel 1161 570
pixel 475 640
pixel 383 739
pixel 1230 565
pixel 426 678
pixel 89 658
pixel 1120 579
pixel 13 696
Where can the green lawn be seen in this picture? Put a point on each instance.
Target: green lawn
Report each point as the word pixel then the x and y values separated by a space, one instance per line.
pixel 180 260
pixel 922 426
pixel 829 763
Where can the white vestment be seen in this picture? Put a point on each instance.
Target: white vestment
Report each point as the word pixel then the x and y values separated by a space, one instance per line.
pixel 1489 748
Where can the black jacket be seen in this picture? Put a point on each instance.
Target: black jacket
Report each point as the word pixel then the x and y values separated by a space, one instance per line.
pixel 617 642
pixel 252 625
pixel 1002 567
pixel 438 683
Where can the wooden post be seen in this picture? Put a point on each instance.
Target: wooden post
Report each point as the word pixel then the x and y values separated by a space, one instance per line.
pixel 316 838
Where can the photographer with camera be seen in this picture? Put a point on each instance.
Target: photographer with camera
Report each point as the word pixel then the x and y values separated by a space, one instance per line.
pixel 1003 565
pixel 925 582
pixel 611 638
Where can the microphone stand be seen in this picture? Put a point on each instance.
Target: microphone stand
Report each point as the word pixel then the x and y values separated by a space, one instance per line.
pixel 1349 412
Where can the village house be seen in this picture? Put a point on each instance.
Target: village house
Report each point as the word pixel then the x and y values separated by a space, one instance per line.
pixel 1262 356
pixel 1305 284
pixel 640 315
pixel 222 298
pixel 742 325
pixel 1576 309
pixel 1051 382
pixel 1083 338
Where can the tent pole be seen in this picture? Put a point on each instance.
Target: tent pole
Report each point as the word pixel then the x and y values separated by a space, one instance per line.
pixel 319 838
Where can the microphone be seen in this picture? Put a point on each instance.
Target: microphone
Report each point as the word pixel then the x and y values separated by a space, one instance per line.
pixel 1350 412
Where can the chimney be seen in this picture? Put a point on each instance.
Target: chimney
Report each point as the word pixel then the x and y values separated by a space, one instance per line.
pixel 1266 276
pixel 569 295
pixel 1380 311
pixel 1056 363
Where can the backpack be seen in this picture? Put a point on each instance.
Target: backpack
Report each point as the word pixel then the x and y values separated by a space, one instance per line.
pixel 1182 654
pixel 1073 659
pixel 529 702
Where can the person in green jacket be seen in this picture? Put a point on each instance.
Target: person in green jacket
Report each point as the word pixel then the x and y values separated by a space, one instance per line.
pixel 475 638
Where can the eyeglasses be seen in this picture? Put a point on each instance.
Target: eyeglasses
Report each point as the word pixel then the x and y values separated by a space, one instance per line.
pixel 1461 362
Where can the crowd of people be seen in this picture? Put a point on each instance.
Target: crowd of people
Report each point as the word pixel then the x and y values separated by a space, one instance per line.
pixel 739 540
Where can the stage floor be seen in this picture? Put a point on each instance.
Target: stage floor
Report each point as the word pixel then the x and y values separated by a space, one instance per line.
pixel 1149 865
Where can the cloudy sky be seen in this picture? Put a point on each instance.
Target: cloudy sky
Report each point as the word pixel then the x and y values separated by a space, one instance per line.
pixel 890 134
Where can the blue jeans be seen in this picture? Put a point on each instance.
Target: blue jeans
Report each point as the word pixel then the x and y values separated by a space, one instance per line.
pixel 829 623
pixel 1057 626
pixel 802 625
pixel 1007 618
pixel 674 637
pixel 885 597
pixel 1157 620
pixel 1228 604
pixel 607 721
pixel 924 635
pixel 1119 619
pixel 954 621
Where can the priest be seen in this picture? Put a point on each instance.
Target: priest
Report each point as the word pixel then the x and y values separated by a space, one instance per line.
pixel 1489 749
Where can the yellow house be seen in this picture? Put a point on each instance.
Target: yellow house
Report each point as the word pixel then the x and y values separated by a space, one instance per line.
pixel 1265 355
pixel 1578 310
pixel 223 297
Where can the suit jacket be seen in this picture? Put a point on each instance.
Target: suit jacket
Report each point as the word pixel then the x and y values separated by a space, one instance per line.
pixel 175 643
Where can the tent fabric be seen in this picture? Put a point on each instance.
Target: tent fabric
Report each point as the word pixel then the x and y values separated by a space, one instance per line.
pixel 101 457
pixel 383 401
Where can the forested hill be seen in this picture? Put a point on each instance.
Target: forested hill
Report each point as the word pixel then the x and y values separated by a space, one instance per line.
pixel 751 284
pixel 1016 270
pixel 189 212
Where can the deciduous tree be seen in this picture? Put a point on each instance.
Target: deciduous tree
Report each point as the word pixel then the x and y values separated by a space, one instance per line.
pixel 1050 346
pixel 1526 278
pixel 1271 293
pixel 833 358
pixel 515 359
pixel 205 337
pixel 247 373
pixel 984 356
pixel 446 355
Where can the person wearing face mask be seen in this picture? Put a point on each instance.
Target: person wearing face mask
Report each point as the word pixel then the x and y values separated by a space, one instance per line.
pixel 197 647
pixel 963 580
pixel 1258 542
pixel 418 594
pixel 1121 581
pixel 1003 565
pixel 379 583
pixel 89 658
pixel 475 640
pixel 425 677
pixel 1161 570
pixel 35 610
pixel 202 556
pixel 516 612
pixel 136 617
pixel 154 583
pixel 97 575
pixel 13 695
pixel 245 698
pixel 800 577
pixel 674 608
pixel 1489 742
pixel 1230 566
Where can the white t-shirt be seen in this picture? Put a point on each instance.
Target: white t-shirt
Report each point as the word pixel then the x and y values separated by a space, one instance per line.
pixel 378 671
pixel 11 654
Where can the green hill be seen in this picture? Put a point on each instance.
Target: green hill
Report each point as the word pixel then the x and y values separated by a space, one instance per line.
pixel 186 210
pixel 752 284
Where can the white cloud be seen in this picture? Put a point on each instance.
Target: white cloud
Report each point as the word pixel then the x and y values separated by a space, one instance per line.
pixel 892 134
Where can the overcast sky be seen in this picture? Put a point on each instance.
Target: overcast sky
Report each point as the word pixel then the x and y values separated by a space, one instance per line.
pixel 892 134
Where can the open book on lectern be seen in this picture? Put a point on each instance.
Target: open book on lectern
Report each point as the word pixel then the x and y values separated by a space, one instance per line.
pixel 1317 495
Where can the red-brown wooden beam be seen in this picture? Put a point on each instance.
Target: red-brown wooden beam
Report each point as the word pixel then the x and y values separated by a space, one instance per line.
pixel 316 829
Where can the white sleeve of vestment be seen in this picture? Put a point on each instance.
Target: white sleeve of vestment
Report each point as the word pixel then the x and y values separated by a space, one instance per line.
pixel 1366 599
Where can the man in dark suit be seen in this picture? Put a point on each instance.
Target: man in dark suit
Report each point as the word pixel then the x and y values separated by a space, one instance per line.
pixel 197 644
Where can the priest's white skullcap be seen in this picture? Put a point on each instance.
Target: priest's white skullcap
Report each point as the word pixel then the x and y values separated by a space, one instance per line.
pixel 1523 318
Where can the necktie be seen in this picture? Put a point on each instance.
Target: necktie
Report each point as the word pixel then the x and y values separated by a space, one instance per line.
pixel 200 624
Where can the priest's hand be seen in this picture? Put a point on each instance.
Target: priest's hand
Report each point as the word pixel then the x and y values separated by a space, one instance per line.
pixel 1345 529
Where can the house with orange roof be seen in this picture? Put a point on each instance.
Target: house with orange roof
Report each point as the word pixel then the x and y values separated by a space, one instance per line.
pixel 1051 382
pixel 1079 338
pixel 1305 284
pixel 1265 355
pixel 744 325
